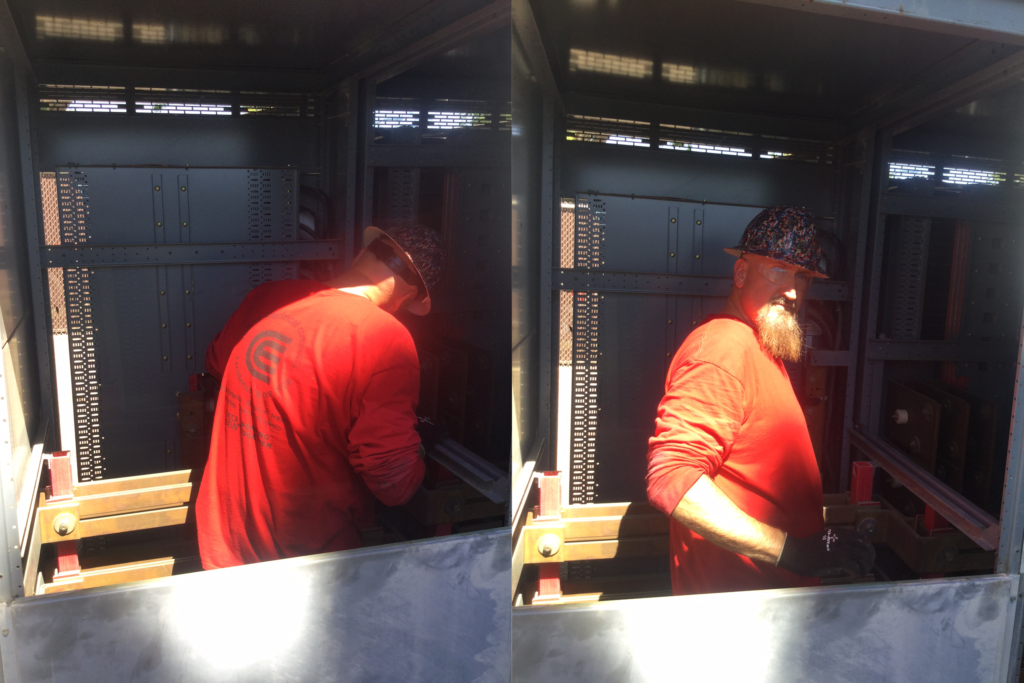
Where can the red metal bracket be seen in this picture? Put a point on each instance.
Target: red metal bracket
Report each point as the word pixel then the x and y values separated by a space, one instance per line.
pixel 549 508
pixel 862 483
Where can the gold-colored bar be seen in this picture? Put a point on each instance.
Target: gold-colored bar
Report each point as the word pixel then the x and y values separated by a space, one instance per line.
pixel 135 500
pixel 125 573
pixel 144 481
pixel 99 526
pixel 604 550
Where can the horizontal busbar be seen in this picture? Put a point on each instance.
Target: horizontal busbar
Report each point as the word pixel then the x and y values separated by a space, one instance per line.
pixel 88 256
pixel 954 352
pixel 686 285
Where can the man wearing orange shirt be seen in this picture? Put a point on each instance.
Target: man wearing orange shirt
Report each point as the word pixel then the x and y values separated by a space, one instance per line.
pixel 731 461
pixel 316 413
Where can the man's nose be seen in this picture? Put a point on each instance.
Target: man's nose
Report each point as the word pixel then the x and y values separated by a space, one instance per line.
pixel 790 294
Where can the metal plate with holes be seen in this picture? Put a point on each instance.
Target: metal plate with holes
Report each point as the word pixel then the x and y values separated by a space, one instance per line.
pixel 138 330
pixel 912 422
pixel 435 610
pixel 945 631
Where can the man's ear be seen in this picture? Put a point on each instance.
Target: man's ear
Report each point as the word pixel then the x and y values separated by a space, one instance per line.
pixel 739 272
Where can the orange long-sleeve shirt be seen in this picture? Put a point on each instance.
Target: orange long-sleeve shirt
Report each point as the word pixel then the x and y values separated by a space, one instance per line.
pixel 314 420
pixel 729 412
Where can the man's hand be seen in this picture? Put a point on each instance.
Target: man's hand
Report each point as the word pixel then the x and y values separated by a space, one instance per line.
pixel 831 552
pixel 431 433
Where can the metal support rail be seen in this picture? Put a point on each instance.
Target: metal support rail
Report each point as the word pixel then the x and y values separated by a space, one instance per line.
pixel 685 285
pixel 974 522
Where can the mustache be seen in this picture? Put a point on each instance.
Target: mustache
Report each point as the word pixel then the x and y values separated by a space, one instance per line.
pixel 785 302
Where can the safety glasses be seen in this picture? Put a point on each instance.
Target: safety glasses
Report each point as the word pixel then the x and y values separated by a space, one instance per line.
pixel 785 276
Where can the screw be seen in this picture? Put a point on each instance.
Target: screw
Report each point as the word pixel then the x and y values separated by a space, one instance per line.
pixel 157 188
pixel 184 225
pixel 159 224
pixel 186 292
pixel 697 256
pixel 161 292
pixel 669 322
pixel 165 357
pixel 700 222
pixel 188 324
pixel 672 255
pixel 189 357
pixel 163 326
pixel 673 220
pixel 182 188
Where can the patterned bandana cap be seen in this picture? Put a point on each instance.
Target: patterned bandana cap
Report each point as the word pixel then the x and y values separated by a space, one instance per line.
pixel 783 233
pixel 424 248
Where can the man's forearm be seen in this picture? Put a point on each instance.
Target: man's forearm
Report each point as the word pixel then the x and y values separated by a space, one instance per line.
pixel 709 512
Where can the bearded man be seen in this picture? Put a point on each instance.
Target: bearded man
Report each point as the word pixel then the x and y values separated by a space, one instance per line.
pixel 731 460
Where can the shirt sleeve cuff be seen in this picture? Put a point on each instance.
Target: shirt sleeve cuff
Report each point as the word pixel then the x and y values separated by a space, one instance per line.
pixel 665 492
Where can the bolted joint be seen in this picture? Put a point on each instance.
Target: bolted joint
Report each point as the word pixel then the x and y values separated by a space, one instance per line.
pixel 65 523
pixel 549 544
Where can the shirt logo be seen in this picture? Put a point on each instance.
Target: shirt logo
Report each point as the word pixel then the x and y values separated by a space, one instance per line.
pixel 265 353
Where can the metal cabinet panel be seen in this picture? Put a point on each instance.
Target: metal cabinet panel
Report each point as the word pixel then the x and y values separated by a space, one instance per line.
pixel 955 630
pixel 436 610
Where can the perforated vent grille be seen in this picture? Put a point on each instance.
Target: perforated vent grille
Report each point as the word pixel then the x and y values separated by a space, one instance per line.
pixel 586 317
pixel 911 253
pixel 51 236
pixel 252 103
pixel 174 101
pixel 566 259
pixel 704 140
pixel 795 149
pixel 966 176
pixel 446 120
pixel 608 131
pixel 901 171
pixel 73 203
pixel 395 118
pixel 96 99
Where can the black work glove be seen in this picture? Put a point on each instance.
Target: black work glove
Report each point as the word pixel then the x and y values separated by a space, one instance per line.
pixel 431 433
pixel 831 552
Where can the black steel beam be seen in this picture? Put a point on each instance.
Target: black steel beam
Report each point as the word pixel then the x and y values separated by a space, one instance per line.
pixel 1002 208
pixel 954 352
pixel 528 34
pixel 833 359
pixel 440 27
pixel 750 122
pixel 269 80
pixel 184 254
pixel 429 155
pixel 966 73
pixel 685 285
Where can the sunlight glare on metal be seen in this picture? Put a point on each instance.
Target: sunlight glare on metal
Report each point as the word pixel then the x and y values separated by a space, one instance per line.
pixel 48 26
pixel 231 620
pixel 584 60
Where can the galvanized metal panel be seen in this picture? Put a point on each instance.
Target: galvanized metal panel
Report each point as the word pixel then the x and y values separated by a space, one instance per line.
pixel 436 610
pixel 952 630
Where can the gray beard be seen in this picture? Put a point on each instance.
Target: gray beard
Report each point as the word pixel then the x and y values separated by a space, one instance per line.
pixel 780 333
